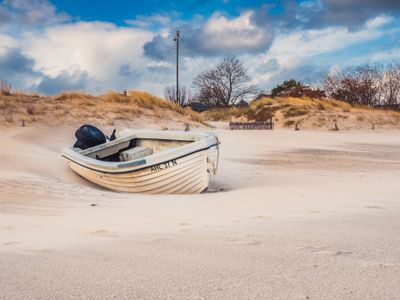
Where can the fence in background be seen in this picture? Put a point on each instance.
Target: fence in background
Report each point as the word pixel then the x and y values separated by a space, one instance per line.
pixel 267 125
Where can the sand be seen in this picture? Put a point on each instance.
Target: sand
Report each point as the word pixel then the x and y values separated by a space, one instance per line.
pixel 290 215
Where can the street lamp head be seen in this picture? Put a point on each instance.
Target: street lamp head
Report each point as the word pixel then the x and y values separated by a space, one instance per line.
pixel 177 33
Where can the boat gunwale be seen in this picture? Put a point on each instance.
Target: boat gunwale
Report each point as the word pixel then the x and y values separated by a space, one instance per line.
pixel 136 163
pixel 178 136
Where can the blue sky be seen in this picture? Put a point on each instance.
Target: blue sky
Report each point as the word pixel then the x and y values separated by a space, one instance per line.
pixel 94 46
pixel 118 11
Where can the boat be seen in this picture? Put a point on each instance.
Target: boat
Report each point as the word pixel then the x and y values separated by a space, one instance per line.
pixel 153 162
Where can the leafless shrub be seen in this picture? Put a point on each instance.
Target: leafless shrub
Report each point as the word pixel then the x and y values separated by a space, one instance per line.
pixel 390 85
pixel 181 99
pixel 30 109
pixel 295 111
pixel 8 112
pixel 5 87
pixel 7 107
pixel 73 95
pixel 289 123
pixel 25 93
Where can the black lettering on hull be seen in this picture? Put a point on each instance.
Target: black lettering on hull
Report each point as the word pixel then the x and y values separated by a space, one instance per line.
pixel 164 165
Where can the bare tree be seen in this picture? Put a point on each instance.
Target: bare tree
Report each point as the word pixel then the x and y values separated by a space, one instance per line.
pixel 355 84
pixel 205 96
pixel 183 95
pixel 225 84
pixel 369 78
pixel 367 85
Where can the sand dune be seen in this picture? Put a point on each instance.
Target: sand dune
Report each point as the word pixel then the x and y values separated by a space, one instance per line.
pixel 136 108
pixel 293 215
pixel 310 113
pixel 143 110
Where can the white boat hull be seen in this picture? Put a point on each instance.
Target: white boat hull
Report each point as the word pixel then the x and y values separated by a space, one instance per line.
pixel 186 174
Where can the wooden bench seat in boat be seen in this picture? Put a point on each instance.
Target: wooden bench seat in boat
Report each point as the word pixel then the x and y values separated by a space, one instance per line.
pixel 135 153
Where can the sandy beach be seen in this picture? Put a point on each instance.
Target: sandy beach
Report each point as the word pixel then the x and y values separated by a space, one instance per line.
pixel 290 215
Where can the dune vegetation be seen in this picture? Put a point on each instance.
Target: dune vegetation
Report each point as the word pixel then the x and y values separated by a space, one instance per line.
pixel 136 108
pixel 142 109
pixel 309 113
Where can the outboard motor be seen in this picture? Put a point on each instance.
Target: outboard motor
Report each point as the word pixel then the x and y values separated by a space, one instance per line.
pixel 89 136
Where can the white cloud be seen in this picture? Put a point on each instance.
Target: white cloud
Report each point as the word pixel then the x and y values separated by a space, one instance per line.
pixel 152 20
pixel 389 55
pixel 241 32
pixel 8 41
pixel 292 48
pixel 97 48
pixel 299 48
pixel 378 21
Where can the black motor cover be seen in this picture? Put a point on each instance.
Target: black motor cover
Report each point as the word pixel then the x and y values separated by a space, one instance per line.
pixel 79 144
pixel 89 136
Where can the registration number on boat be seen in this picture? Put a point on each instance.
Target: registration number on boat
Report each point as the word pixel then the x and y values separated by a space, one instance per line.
pixel 164 165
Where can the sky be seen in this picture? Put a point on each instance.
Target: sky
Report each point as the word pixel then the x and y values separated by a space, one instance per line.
pixel 48 46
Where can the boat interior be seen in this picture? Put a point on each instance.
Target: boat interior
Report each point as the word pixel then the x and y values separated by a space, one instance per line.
pixel 131 148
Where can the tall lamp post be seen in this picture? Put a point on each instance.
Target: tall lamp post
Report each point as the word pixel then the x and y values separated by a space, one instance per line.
pixel 176 39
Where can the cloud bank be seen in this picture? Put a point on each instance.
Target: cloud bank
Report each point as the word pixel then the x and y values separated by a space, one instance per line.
pixel 47 50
